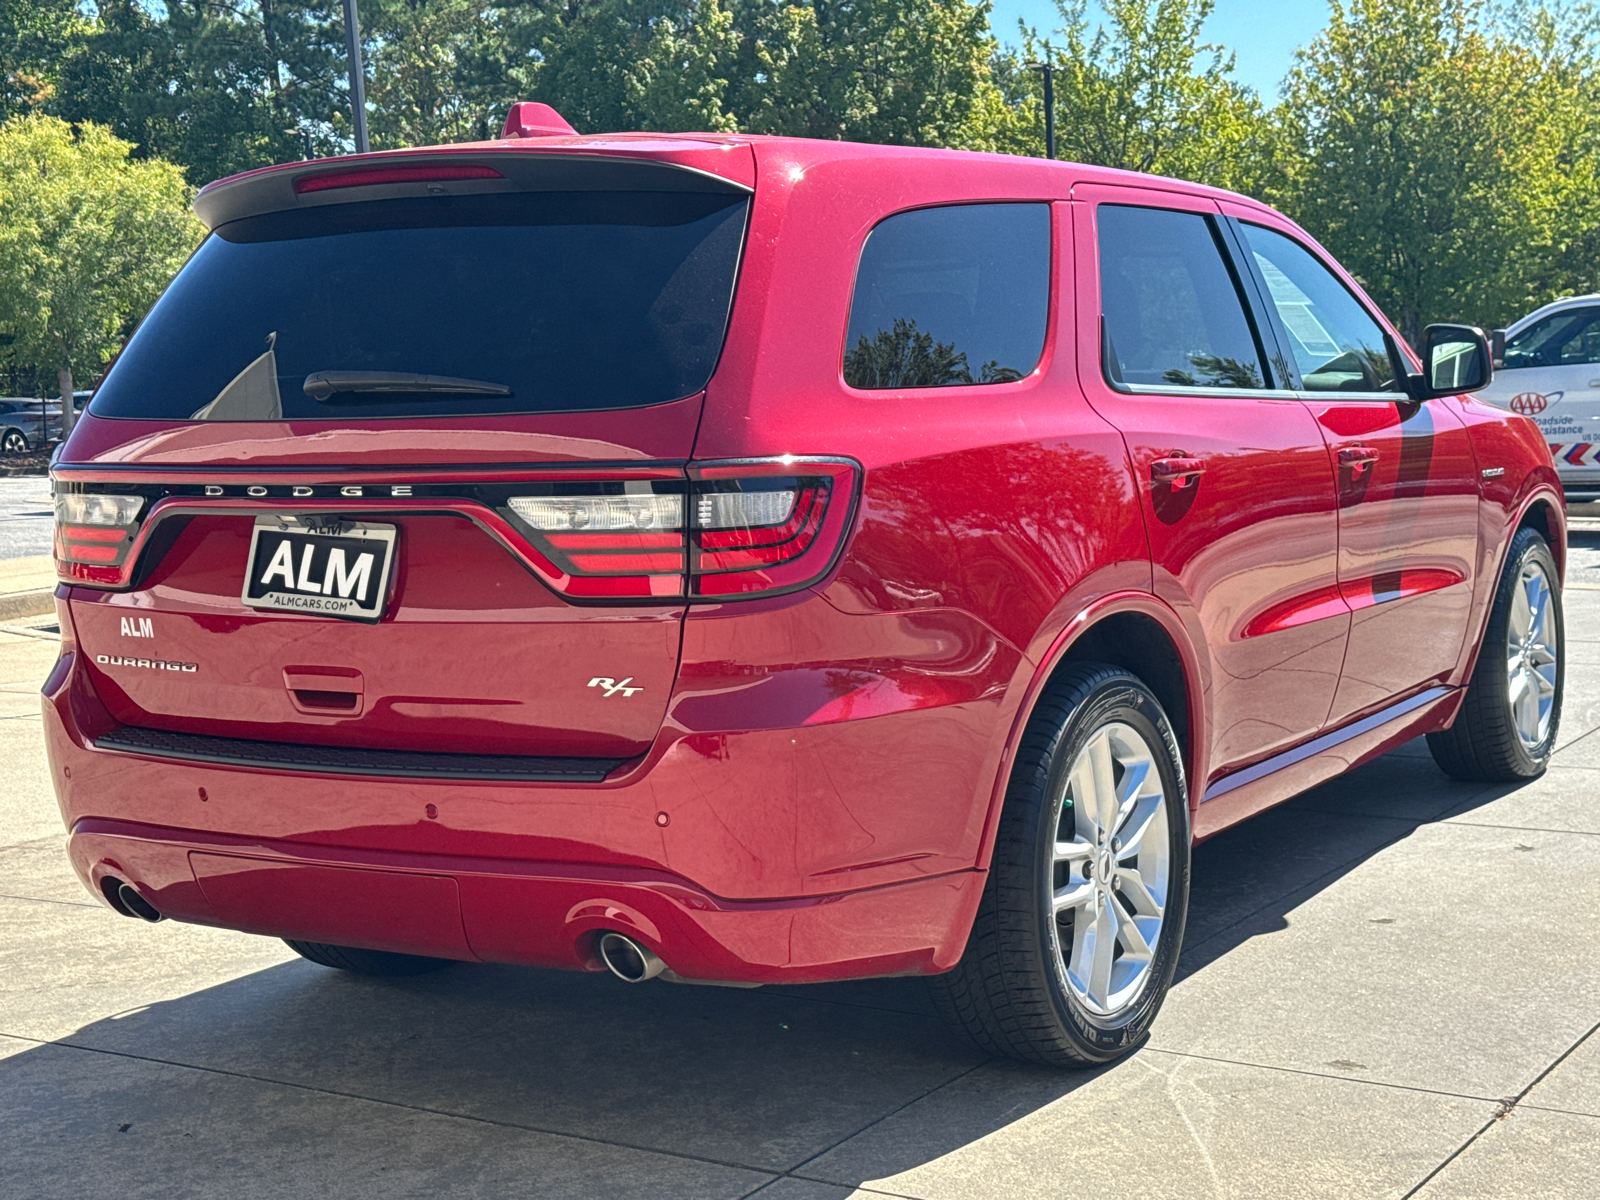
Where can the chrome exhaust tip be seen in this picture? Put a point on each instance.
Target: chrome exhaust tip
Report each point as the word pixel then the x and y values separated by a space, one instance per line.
pixel 130 903
pixel 628 960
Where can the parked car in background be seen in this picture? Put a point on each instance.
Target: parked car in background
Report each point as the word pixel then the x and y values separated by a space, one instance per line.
pixel 1551 373
pixel 27 424
pixel 750 560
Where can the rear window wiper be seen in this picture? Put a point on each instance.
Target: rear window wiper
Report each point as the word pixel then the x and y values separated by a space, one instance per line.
pixel 321 385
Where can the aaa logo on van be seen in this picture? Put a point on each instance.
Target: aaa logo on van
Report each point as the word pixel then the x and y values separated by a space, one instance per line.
pixel 1529 403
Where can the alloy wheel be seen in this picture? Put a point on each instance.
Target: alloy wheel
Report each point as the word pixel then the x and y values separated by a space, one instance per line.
pixel 1531 654
pixel 1110 870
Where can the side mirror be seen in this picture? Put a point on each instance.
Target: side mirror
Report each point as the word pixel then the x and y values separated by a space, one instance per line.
pixel 1456 359
pixel 1497 348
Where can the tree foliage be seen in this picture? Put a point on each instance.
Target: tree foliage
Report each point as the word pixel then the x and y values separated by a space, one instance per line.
pixel 1144 93
pixel 89 237
pixel 1446 152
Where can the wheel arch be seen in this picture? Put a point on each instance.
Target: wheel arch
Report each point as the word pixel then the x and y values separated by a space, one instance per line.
pixel 1137 632
pixel 1543 512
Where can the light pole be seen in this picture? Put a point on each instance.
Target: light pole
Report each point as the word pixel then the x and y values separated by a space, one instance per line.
pixel 1048 70
pixel 358 87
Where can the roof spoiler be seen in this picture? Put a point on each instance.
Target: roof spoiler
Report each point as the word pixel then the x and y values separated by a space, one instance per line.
pixel 460 171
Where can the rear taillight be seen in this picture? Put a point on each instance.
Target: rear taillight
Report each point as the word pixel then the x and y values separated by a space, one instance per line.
pixel 93 535
pixel 755 535
pixel 610 541
pixel 739 530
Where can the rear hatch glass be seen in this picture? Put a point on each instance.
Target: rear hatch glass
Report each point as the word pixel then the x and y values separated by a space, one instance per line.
pixel 520 302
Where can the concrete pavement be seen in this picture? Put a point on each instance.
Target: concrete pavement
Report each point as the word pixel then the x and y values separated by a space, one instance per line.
pixel 1390 988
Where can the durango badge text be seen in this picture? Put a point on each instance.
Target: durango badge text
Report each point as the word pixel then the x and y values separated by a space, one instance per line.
pixel 149 664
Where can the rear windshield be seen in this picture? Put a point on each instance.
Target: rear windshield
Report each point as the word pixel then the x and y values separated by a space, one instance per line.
pixel 440 306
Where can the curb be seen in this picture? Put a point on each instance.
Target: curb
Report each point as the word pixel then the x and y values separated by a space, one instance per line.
pixel 14 605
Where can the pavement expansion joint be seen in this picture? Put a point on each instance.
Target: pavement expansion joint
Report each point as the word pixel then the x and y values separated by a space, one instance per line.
pixel 360 1097
pixel 42 900
pixel 1342 1078
pixel 1507 1106
pixel 881 1118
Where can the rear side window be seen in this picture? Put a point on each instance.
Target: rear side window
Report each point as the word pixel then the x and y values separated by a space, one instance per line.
pixel 1173 317
pixel 1563 339
pixel 951 295
pixel 508 303
pixel 1335 342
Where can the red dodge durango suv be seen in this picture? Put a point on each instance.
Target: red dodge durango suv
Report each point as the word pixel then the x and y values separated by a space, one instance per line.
pixel 753 560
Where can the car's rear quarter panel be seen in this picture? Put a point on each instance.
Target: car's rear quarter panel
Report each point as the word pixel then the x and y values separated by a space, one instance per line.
pixel 989 518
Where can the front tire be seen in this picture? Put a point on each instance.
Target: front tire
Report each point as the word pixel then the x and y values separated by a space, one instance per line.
pixel 1506 729
pixel 366 962
pixel 1077 935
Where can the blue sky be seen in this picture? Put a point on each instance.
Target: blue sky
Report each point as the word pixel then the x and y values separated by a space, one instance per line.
pixel 1263 36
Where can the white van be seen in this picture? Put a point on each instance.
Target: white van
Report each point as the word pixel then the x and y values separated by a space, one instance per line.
pixel 1551 373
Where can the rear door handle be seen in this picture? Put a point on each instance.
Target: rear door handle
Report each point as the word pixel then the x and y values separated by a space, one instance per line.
pixel 1358 458
pixel 1177 470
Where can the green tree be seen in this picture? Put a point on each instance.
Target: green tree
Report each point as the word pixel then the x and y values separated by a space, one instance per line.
pixel 907 72
pixel 444 71
pixel 1446 153
pixel 31 34
pixel 219 86
pixel 636 64
pixel 1142 93
pixel 89 237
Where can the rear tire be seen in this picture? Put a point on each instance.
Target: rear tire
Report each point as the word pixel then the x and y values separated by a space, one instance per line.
pixel 1092 852
pixel 1506 729
pixel 366 962
pixel 14 441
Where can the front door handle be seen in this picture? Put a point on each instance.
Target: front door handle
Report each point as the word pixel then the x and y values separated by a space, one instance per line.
pixel 1358 458
pixel 1177 470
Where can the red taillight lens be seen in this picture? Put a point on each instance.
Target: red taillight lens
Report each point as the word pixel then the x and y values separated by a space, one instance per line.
pixel 610 542
pixel 93 535
pixel 761 528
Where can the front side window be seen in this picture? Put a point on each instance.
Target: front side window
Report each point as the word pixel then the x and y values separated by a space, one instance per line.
pixel 1569 338
pixel 1335 342
pixel 1172 313
pixel 952 295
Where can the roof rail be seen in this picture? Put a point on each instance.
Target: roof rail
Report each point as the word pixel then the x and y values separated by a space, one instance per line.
pixel 529 119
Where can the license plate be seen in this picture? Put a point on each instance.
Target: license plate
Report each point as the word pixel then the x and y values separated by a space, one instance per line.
pixel 318 566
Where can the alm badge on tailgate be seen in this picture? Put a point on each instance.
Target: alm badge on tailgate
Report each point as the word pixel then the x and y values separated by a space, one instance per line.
pixel 321 566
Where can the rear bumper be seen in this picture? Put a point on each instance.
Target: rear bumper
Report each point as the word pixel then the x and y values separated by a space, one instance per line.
pixel 540 914
pixel 807 852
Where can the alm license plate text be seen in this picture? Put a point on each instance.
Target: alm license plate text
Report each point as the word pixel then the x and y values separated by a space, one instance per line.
pixel 327 568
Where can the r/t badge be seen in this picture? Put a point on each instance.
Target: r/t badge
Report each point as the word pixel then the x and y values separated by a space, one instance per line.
pixel 613 687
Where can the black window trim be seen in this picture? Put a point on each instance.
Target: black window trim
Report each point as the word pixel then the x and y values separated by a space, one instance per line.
pixel 1217 223
pixel 1052 286
pixel 1397 362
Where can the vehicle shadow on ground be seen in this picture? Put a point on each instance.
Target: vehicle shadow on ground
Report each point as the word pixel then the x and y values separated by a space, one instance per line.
pixel 766 1079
